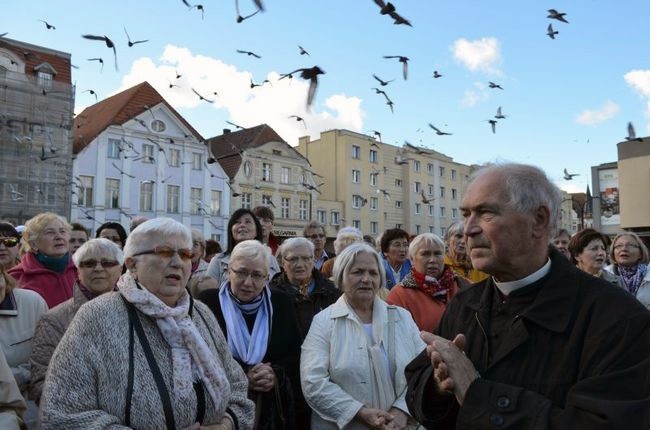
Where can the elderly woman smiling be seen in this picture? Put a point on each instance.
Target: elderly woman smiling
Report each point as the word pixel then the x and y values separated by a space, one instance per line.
pixel 148 356
pixel 353 359
pixel 263 336
pixel 99 262
pixel 630 259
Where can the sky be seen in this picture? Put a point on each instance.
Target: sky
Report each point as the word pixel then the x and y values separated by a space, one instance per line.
pixel 567 101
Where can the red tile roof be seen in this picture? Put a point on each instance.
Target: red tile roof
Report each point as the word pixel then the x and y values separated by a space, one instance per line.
pixel 34 55
pixel 116 110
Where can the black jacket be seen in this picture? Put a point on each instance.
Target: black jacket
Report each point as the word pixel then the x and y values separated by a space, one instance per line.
pixel 577 356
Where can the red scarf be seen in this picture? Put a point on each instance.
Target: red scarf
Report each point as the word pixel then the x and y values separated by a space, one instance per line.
pixel 437 289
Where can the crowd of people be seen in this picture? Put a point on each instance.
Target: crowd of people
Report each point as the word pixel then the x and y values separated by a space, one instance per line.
pixel 503 323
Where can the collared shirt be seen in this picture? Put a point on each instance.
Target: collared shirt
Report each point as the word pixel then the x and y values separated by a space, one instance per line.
pixel 323 258
pixel 508 287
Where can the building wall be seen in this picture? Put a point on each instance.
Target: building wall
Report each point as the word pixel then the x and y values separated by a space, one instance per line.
pixel 634 180
pixel 606 203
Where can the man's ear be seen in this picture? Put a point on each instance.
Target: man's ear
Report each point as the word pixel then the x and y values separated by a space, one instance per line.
pixel 541 222
pixel 130 264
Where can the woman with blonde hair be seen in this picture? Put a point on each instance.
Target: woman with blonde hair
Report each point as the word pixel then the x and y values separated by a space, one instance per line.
pixel 630 258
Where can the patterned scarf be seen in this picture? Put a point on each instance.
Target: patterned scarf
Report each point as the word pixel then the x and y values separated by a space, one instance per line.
pixel 632 276
pixel 191 357
pixel 437 289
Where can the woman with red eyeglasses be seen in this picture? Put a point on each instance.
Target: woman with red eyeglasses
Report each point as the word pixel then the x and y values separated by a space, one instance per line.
pixel 9 241
pixel 99 263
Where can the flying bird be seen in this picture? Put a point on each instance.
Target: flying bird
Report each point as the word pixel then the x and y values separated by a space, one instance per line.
pixel 384 192
pixel 399 160
pixel 417 150
pixel 44 157
pixel 311 187
pixel 201 97
pixel 377 134
pixel 554 14
pixel 91 92
pixel 303 51
pixel 172 85
pixel 404 61
pixel 4 34
pixel 15 195
pixel 109 44
pixel 178 75
pixel 438 132
pixel 568 176
pixel 493 85
pixel 48 25
pixel 122 171
pixel 389 9
pixel 241 18
pixel 129 38
pixel 249 53
pixel 100 61
pixel 426 200
pixel 493 123
pixel 381 81
pixel 192 6
pixel 390 105
pixel 436 75
pixel 299 118
pixel 235 125
pixel 550 32
pixel 631 134
pixel 310 74
pixel 499 115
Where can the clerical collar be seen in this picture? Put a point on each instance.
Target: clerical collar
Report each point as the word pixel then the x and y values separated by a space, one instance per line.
pixel 508 287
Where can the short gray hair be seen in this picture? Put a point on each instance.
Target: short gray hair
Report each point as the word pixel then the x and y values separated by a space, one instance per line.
pixel 295 242
pixel 156 228
pixel 347 257
pixel 425 239
pixel 313 224
pixel 456 228
pixel 345 237
pixel 527 188
pixel 99 248
pixel 252 249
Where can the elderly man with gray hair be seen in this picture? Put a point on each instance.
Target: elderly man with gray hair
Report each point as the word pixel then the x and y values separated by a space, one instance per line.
pixel 539 344
pixel 344 238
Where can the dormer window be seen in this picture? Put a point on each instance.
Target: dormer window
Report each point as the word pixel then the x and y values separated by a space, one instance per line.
pixel 45 79
pixel 158 126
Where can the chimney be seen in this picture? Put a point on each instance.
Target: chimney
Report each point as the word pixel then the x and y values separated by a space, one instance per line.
pixel 226 130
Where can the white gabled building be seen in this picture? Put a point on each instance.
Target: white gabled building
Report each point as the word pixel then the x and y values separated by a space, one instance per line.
pixel 136 156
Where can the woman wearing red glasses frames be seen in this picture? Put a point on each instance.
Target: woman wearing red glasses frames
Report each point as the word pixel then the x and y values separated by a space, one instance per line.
pixel 9 246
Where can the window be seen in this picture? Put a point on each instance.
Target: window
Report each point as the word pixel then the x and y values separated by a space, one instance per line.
pixel 442 212
pixel 442 192
pixel 266 172
pixel 373 156
pixel 430 229
pixel 196 195
pixel 286 175
pixel 321 216
pixel 85 192
pixel 454 194
pixel 398 225
pixel 417 187
pixel 373 179
pixel 356 152
pixel 266 200
pixel 336 218
pixel 45 79
pixel 196 161
pixel 430 189
pixel 147 153
pixel 277 152
pixel 418 208
pixel 173 198
pixel 398 182
pixel 174 157
pixel 112 194
pixel 442 171
pixel 430 210
pixel 285 207
pixel 356 176
pixel 430 168
pixel 302 210
pixel 113 148
pixel 146 196
pixel 356 223
pixel 374 227
pixel 418 229
pixel 443 230
pixel 215 202
pixel 374 203
pixel 453 174
pixel 246 200
pixel 398 204
pixel 158 126
pixel 3 72
pixel 454 213
pixel 416 165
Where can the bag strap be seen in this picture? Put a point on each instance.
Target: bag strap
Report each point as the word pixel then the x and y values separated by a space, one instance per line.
pixel 129 386
pixel 391 343
pixel 153 365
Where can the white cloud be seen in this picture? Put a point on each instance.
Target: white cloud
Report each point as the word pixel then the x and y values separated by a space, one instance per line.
pixel 592 117
pixel 271 103
pixel 639 80
pixel 478 55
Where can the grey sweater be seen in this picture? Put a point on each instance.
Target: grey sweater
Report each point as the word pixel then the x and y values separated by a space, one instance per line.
pixel 86 382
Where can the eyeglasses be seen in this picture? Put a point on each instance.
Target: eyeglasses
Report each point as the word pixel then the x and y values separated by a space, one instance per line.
pixel 399 244
pixel 168 252
pixel 620 246
pixel 91 264
pixel 242 275
pixel 316 236
pixel 9 242
pixel 295 259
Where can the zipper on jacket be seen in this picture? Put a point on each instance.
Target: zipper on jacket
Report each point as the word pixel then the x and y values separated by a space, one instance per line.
pixel 487 343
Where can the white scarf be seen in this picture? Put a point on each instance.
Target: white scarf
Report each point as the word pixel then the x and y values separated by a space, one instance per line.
pixel 245 346
pixel 191 357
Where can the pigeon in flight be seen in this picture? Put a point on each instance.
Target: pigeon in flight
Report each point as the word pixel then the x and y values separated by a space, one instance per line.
pixel 109 43
pixel 499 115
pixel 197 6
pixel 426 200
pixel 310 74
pixel 436 75
pixel 554 14
pixel 303 51
pixel 389 9
pixel 133 43
pixel 92 92
pixel 568 176
pixel 438 132
pixel 550 32
pixel 493 85
pixel 631 134
pixel 381 81
pixel 405 64
pixel 100 61
pixel 201 97
pixel 241 18
pixel 47 25
pixel 493 123
pixel 235 125
pixel 299 118
pixel 249 53
pixel 377 134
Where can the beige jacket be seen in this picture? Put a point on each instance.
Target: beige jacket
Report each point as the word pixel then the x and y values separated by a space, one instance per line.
pixel 12 404
pixel 334 364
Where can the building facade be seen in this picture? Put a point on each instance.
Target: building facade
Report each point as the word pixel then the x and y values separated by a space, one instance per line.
pixel 136 156
pixel 606 198
pixel 375 186
pixel 36 108
pixel 264 169
pixel 634 182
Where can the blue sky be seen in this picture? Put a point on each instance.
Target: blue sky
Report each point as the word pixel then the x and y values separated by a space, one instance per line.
pixel 567 100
